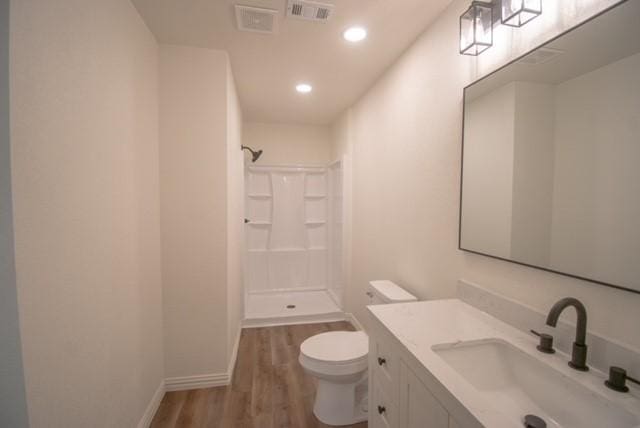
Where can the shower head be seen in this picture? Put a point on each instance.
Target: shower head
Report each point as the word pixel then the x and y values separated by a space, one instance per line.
pixel 255 155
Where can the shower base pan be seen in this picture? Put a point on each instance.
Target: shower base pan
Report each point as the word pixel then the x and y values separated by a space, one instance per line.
pixel 290 307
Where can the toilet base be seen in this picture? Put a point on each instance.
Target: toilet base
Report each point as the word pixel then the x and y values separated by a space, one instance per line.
pixel 341 403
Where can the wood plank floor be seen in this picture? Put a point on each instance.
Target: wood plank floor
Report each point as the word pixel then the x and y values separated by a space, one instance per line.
pixel 269 389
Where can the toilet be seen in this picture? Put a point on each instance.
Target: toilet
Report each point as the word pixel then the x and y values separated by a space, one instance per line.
pixel 339 361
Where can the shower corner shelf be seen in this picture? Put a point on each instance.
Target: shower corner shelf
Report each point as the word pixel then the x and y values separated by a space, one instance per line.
pixel 314 196
pixel 259 195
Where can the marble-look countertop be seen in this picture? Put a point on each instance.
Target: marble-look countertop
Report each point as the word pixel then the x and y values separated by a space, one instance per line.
pixel 420 326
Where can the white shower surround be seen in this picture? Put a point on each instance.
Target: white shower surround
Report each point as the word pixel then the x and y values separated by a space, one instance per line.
pixel 293 241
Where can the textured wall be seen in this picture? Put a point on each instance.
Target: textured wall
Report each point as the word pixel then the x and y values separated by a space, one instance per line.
pixel 193 183
pixel 235 214
pixel 287 144
pixel 84 139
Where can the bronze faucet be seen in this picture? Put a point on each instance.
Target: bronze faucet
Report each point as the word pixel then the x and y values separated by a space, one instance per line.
pixel 579 354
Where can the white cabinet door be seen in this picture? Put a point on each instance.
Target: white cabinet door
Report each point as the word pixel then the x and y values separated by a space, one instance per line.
pixel 381 409
pixel 417 407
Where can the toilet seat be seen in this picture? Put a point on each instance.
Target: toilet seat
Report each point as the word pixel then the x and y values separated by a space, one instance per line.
pixel 336 353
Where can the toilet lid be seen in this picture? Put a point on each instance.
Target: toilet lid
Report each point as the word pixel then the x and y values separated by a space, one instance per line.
pixel 336 346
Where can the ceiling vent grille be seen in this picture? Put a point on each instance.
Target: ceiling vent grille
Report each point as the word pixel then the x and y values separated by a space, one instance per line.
pixel 256 19
pixel 540 56
pixel 309 10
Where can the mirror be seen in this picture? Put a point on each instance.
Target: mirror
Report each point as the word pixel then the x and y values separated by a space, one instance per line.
pixel 551 155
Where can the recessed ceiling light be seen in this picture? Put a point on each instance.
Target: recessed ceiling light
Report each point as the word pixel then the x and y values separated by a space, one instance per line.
pixel 355 34
pixel 304 88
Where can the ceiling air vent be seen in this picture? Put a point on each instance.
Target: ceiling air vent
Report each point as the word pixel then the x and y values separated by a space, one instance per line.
pixel 309 10
pixel 540 56
pixel 256 19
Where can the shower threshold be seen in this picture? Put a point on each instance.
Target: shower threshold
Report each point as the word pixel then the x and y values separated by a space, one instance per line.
pixel 290 307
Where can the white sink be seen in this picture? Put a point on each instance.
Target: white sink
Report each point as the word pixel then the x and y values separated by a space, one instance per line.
pixel 517 384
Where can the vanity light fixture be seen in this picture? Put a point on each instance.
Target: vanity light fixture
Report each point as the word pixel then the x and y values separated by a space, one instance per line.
pixel 476 24
pixel 355 34
pixel 304 88
pixel 476 28
pixel 516 13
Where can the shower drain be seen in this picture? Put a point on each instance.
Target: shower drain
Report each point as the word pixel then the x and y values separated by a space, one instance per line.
pixel 291 306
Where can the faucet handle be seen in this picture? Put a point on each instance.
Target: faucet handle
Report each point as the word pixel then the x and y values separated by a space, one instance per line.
pixel 618 378
pixel 546 343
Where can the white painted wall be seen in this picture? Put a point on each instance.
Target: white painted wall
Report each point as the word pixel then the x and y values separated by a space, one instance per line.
pixel 235 215
pixel 533 160
pixel 200 165
pixel 335 241
pixel 288 144
pixel 508 167
pixel 596 199
pixel 193 183
pixel 405 138
pixel 341 149
pixel 84 164
pixel 13 405
pixel 489 132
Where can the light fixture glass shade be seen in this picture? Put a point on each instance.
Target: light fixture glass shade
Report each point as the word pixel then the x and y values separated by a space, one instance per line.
pixel 476 30
pixel 516 13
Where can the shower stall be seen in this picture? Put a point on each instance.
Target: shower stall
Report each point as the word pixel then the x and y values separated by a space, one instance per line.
pixel 293 264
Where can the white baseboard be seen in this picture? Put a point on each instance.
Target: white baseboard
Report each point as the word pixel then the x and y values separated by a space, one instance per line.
pixel 234 355
pixel 196 382
pixel 153 406
pixel 353 320
pixel 182 383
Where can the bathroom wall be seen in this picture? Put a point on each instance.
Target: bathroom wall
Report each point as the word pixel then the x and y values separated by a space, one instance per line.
pixel 533 172
pixel 508 182
pixel 288 144
pixel 199 163
pixel 84 164
pixel 235 215
pixel 335 234
pixel 341 149
pixel 13 405
pixel 488 190
pixel 404 136
pixel 596 173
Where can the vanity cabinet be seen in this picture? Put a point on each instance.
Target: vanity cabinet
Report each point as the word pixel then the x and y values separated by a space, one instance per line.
pixel 418 408
pixel 397 396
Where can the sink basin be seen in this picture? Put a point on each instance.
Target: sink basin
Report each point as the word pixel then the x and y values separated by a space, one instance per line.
pixel 517 384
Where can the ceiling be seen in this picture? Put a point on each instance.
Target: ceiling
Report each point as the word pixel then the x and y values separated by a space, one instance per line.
pixel 268 66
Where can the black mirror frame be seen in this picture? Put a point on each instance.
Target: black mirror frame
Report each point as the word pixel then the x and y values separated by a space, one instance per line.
pixel 460 247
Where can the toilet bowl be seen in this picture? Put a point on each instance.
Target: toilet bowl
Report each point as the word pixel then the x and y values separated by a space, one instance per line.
pixel 339 360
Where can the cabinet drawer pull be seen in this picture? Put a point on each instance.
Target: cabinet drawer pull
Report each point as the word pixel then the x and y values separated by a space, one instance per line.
pixel 381 409
pixel 381 361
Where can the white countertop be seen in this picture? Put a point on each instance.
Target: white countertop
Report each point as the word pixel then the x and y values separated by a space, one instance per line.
pixel 421 325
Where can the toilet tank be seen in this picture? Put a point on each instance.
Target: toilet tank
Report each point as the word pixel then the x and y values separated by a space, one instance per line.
pixel 384 291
